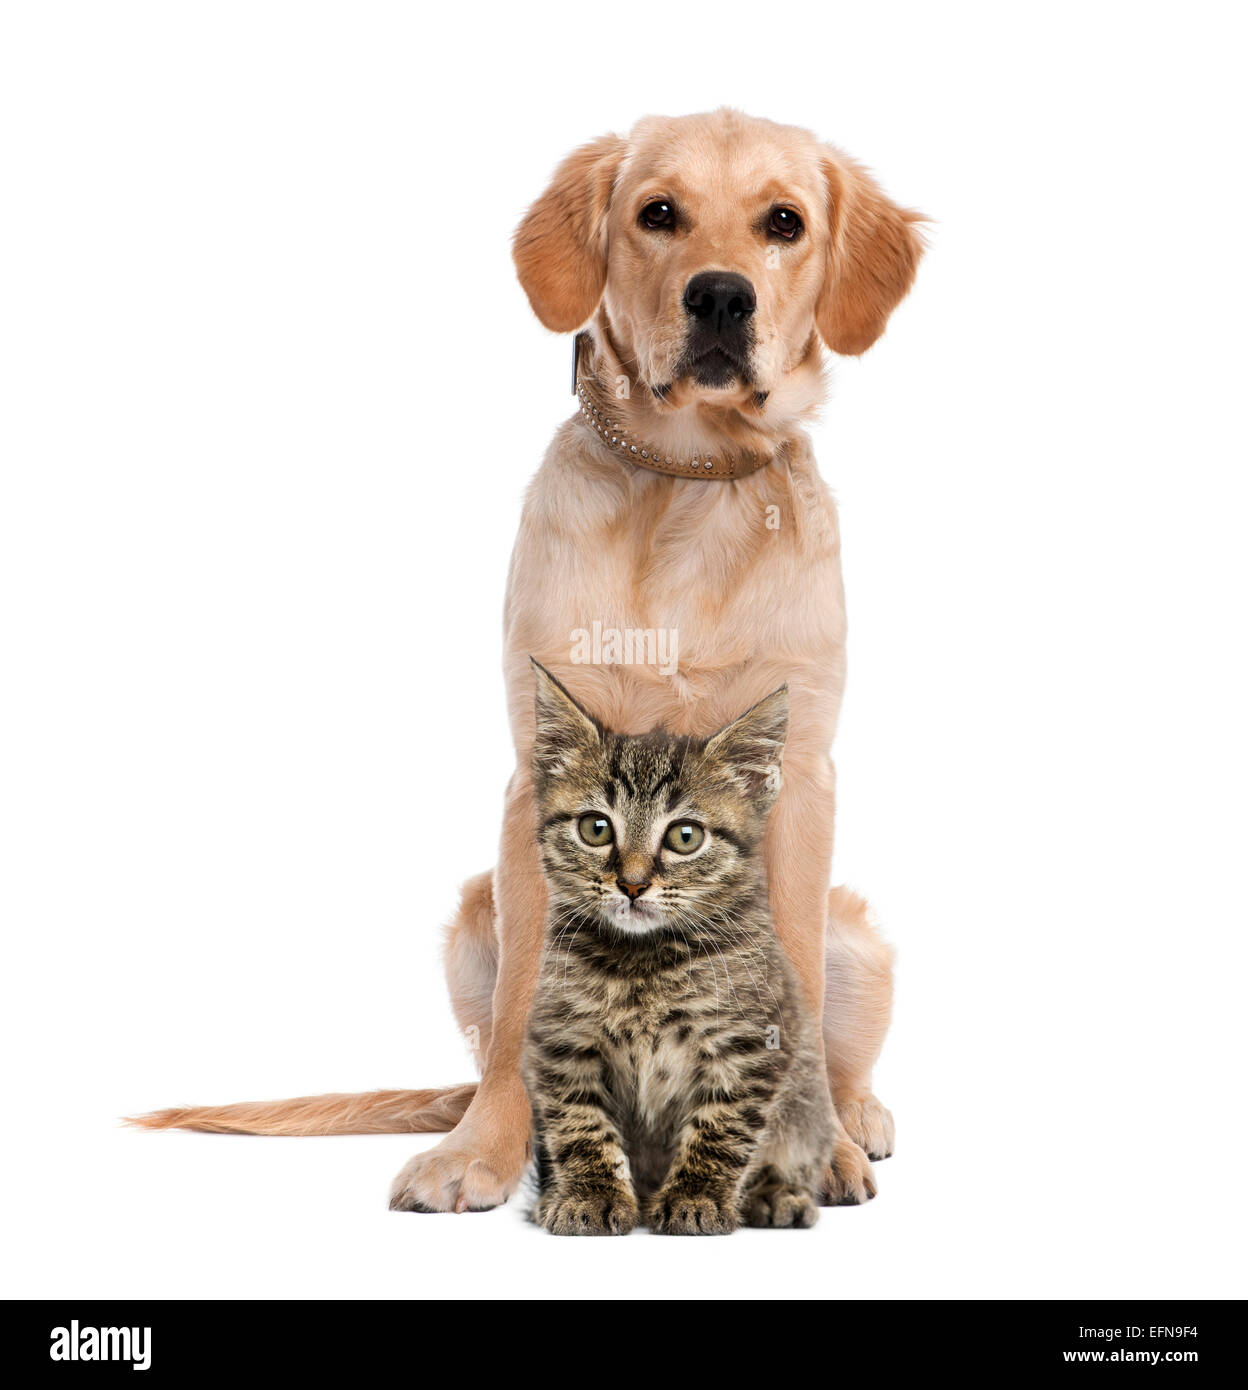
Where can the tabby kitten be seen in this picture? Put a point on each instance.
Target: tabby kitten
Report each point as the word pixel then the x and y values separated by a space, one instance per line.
pixel 671 1059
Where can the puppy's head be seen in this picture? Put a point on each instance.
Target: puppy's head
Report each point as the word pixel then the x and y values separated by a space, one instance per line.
pixel 715 250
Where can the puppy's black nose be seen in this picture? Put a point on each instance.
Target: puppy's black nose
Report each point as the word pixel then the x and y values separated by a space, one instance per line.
pixel 719 298
pixel 634 890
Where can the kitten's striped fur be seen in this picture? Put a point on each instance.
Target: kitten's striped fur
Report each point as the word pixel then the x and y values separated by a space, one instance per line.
pixel 671 1062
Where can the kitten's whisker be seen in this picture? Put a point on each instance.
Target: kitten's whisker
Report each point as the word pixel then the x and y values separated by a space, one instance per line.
pixel 728 974
pixel 753 947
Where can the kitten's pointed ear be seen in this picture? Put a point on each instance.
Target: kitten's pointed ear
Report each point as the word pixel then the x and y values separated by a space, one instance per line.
pixel 563 727
pixel 753 745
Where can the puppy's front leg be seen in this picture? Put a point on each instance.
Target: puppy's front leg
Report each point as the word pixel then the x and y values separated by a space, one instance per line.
pixel 798 850
pixel 480 1163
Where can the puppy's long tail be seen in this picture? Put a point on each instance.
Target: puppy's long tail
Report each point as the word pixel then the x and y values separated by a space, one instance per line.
pixel 371 1112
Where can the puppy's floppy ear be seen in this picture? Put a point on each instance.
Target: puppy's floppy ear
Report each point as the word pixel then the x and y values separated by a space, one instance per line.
pixel 560 249
pixel 872 257
pixel 564 729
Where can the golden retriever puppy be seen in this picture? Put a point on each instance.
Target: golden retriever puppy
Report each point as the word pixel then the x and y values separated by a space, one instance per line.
pixel 678 558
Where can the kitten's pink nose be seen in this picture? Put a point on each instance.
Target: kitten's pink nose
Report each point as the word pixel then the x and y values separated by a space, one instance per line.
pixel 634 890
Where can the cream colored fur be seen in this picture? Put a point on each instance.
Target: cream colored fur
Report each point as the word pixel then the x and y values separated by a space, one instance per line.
pixel 748 572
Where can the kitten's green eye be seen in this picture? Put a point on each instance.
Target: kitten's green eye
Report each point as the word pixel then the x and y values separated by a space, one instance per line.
pixel 684 836
pixel 595 830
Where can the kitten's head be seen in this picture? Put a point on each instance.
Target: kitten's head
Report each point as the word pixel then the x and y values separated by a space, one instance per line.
pixel 652 831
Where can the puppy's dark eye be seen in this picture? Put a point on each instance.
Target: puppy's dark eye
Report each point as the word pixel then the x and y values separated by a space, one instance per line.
pixel 684 836
pixel 595 830
pixel 658 216
pixel 784 222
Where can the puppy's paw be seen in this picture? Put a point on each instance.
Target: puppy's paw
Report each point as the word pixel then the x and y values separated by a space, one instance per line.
pixel 442 1180
pixel 780 1206
pixel 847 1180
pixel 677 1213
pixel 868 1124
pixel 608 1212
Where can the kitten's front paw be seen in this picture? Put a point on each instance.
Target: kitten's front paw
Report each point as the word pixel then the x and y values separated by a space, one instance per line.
pixel 677 1213
pixel 780 1206
pixel 606 1212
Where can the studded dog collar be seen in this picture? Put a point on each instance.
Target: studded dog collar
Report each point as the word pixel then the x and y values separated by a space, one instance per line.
pixel 598 415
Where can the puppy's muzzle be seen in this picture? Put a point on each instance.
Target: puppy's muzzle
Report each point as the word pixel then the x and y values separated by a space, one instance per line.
pixel 720 306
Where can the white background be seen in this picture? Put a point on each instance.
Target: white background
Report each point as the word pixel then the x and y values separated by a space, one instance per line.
pixel 270 396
